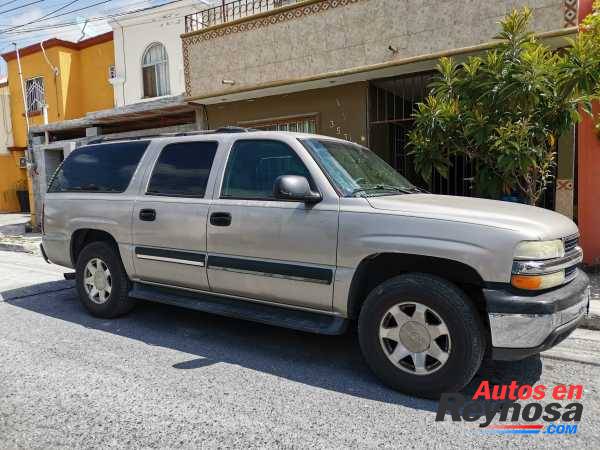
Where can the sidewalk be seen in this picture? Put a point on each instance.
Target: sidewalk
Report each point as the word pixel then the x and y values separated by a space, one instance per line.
pixel 593 320
pixel 14 236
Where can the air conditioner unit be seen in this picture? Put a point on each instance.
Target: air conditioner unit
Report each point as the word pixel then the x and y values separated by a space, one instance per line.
pixel 22 163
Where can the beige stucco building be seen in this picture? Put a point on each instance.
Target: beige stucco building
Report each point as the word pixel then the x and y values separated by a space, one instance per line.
pixel 350 68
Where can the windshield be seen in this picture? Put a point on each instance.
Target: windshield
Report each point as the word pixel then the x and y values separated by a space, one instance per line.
pixel 356 170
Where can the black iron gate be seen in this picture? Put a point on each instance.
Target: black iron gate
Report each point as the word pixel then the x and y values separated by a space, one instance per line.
pixel 391 104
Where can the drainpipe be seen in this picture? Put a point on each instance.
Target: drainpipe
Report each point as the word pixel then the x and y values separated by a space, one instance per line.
pixel 22 89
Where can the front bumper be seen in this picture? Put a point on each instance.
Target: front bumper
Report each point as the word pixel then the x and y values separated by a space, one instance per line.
pixel 524 325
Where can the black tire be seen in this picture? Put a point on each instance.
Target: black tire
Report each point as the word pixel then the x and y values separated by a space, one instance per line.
pixel 462 321
pixel 118 301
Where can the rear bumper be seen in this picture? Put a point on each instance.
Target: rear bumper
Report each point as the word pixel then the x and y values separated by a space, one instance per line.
pixel 524 325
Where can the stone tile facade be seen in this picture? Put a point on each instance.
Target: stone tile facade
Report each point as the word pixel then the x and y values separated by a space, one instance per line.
pixel 320 36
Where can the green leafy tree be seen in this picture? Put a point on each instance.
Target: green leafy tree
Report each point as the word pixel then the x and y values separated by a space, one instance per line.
pixel 505 110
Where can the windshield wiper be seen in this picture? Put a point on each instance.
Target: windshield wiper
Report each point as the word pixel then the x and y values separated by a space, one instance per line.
pixel 385 187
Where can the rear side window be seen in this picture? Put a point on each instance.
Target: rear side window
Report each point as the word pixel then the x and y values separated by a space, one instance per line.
pixel 182 170
pixel 254 165
pixel 99 168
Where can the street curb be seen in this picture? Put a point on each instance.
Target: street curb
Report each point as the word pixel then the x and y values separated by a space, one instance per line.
pixel 36 289
pixel 14 248
pixel 591 322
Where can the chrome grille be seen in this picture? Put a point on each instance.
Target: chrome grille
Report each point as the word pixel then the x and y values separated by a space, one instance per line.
pixel 570 243
pixel 570 273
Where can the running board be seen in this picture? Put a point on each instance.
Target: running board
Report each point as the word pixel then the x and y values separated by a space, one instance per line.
pixel 241 309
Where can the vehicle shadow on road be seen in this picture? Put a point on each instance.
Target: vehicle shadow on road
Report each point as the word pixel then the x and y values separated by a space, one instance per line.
pixel 328 362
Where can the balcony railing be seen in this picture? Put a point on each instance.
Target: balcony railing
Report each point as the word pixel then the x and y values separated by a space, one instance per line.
pixel 228 11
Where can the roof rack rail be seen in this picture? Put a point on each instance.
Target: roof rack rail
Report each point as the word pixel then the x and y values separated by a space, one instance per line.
pixel 233 129
pixel 112 139
pixel 226 129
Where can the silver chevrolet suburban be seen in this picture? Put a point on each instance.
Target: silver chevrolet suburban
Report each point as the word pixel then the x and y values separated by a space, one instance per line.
pixel 315 233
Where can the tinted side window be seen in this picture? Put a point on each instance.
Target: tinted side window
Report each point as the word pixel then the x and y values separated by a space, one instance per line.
pixel 253 167
pixel 182 169
pixel 99 168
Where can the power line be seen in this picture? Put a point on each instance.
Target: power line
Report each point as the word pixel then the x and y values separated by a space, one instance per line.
pixel 8 3
pixel 19 7
pixel 92 19
pixel 40 18
pixel 39 35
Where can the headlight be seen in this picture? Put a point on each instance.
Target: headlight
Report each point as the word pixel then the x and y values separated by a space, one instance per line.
pixel 536 250
pixel 538 282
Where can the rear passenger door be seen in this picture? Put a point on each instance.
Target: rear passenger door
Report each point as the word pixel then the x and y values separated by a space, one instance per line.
pixel 169 216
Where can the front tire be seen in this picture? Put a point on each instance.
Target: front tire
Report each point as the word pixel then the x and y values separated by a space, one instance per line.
pixel 421 335
pixel 102 282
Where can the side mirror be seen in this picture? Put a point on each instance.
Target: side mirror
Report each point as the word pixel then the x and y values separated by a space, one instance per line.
pixel 294 187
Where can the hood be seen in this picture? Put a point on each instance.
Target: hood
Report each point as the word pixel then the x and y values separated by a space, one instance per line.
pixel 536 223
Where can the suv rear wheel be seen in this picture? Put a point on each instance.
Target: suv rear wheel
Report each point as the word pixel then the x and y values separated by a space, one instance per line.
pixel 421 335
pixel 102 282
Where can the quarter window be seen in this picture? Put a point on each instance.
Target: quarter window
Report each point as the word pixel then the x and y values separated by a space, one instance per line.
pixel 99 168
pixel 254 165
pixel 155 71
pixel 182 170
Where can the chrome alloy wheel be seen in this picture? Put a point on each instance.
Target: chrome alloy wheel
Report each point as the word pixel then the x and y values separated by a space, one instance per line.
pixel 97 281
pixel 415 338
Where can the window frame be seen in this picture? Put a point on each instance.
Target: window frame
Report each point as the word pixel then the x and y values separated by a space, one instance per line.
pixel 264 124
pixel 144 65
pixel 155 165
pixel 310 177
pixel 43 99
pixel 50 182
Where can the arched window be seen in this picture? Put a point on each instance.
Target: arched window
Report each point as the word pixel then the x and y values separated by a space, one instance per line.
pixel 155 71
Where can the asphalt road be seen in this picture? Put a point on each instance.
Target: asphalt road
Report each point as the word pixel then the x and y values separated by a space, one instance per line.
pixel 164 377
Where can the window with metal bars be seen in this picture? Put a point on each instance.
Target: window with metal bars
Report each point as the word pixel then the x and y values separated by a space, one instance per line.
pixel 298 124
pixel 34 94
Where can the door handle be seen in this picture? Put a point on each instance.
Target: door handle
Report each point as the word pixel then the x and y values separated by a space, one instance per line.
pixel 220 219
pixel 147 215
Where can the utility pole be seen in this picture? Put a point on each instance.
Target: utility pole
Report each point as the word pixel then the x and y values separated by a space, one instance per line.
pixel 29 151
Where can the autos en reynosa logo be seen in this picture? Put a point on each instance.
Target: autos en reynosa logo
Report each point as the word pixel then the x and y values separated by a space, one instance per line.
pixel 516 409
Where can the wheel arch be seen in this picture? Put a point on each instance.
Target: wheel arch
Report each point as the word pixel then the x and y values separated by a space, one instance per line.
pixel 84 236
pixel 377 268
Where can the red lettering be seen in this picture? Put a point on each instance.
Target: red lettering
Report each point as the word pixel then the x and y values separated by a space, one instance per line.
pixel 525 392
pixel 499 392
pixel 513 387
pixel 483 391
pixel 559 391
pixel 575 391
pixel 539 392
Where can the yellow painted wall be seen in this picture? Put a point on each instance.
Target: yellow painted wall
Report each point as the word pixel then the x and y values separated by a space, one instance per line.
pixel 11 178
pixel 81 85
pixel 94 62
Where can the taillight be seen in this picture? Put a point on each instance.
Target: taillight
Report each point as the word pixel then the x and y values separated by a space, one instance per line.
pixel 43 215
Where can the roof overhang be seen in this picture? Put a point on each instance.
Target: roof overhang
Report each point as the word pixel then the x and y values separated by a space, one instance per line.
pixel 398 67
pixel 142 111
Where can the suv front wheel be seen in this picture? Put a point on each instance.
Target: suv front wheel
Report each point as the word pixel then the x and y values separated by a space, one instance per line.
pixel 102 282
pixel 421 335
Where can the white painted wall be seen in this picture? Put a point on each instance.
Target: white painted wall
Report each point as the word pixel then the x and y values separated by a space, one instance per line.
pixel 135 32
pixel 6 136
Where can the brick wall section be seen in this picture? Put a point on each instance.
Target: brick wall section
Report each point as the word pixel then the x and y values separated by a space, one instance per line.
pixel 320 36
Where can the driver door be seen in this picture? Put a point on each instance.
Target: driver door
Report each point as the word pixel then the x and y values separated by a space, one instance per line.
pixel 268 249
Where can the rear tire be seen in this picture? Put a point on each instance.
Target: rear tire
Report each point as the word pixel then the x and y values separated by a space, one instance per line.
pixel 102 283
pixel 421 335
